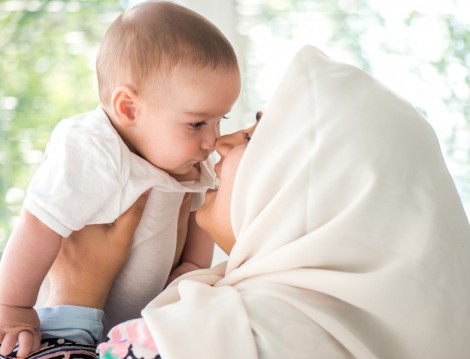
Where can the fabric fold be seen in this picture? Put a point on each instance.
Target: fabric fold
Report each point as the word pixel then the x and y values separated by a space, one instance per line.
pixel 352 240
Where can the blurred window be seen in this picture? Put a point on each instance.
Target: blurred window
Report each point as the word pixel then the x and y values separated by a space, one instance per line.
pixel 418 48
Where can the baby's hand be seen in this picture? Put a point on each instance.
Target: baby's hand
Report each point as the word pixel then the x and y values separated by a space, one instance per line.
pixel 18 325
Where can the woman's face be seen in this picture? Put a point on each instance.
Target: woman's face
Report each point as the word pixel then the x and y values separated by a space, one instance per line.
pixel 214 216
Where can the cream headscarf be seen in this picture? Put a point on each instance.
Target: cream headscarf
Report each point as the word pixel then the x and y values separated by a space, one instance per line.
pixel 351 238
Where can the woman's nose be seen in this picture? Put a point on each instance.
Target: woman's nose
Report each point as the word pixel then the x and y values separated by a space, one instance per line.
pixel 222 145
pixel 225 143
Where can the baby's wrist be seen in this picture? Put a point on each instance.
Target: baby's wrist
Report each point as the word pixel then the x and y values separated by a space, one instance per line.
pixel 14 306
pixel 20 299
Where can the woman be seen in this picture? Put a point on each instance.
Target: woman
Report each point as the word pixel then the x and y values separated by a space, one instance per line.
pixel 345 233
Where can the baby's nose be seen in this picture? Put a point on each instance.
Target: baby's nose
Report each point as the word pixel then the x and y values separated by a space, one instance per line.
pixel 209 140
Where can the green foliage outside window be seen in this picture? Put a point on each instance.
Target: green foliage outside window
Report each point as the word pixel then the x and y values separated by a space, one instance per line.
pixel 48 49
pixel 47 54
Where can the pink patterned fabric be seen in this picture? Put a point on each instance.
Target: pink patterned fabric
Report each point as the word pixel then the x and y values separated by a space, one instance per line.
pixel 129 339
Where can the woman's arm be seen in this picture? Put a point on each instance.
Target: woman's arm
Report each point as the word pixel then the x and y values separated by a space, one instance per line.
pixel 82 275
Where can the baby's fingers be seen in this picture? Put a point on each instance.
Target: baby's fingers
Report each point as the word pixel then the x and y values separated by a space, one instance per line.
pixel 27 343
pixel 8 343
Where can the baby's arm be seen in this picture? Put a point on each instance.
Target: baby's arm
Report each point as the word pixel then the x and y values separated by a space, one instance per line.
pixel 28 255
pixel 197 252
pixel 80 280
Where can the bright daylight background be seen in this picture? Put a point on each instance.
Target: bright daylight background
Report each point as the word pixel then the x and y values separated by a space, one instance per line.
pixel 418 48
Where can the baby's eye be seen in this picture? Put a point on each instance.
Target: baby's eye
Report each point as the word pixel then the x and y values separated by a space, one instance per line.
pixel 197 124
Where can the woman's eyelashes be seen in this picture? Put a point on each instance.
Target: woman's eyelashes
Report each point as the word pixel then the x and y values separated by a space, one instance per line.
pixel 247 135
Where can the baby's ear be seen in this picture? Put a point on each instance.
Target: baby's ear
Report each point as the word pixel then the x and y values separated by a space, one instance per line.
pixel 124 103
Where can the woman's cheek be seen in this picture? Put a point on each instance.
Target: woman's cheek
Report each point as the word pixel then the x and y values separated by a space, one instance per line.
pixel 214 216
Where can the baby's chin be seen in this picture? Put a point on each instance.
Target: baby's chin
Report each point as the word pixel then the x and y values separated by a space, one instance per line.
pixel 191 174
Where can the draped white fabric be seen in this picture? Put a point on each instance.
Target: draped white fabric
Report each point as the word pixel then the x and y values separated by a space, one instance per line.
pixel 351 238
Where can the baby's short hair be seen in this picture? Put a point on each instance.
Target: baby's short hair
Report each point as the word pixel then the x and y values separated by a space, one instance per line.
pixel 156 36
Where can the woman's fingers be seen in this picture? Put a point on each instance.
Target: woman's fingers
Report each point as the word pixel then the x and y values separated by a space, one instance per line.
pixel 90 259
pixel 127 223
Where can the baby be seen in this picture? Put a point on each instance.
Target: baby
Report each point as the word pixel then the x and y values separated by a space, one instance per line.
pixel 166 77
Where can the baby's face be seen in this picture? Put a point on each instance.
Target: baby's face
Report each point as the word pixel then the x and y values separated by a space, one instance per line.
pixel 178 119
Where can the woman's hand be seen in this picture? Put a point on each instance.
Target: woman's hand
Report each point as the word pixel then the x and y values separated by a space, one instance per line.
pixel 90 259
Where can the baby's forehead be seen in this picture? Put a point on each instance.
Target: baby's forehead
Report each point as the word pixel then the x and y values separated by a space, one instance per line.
pixel 191 74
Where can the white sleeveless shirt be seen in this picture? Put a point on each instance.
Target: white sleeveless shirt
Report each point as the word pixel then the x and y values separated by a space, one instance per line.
pixel 90 176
